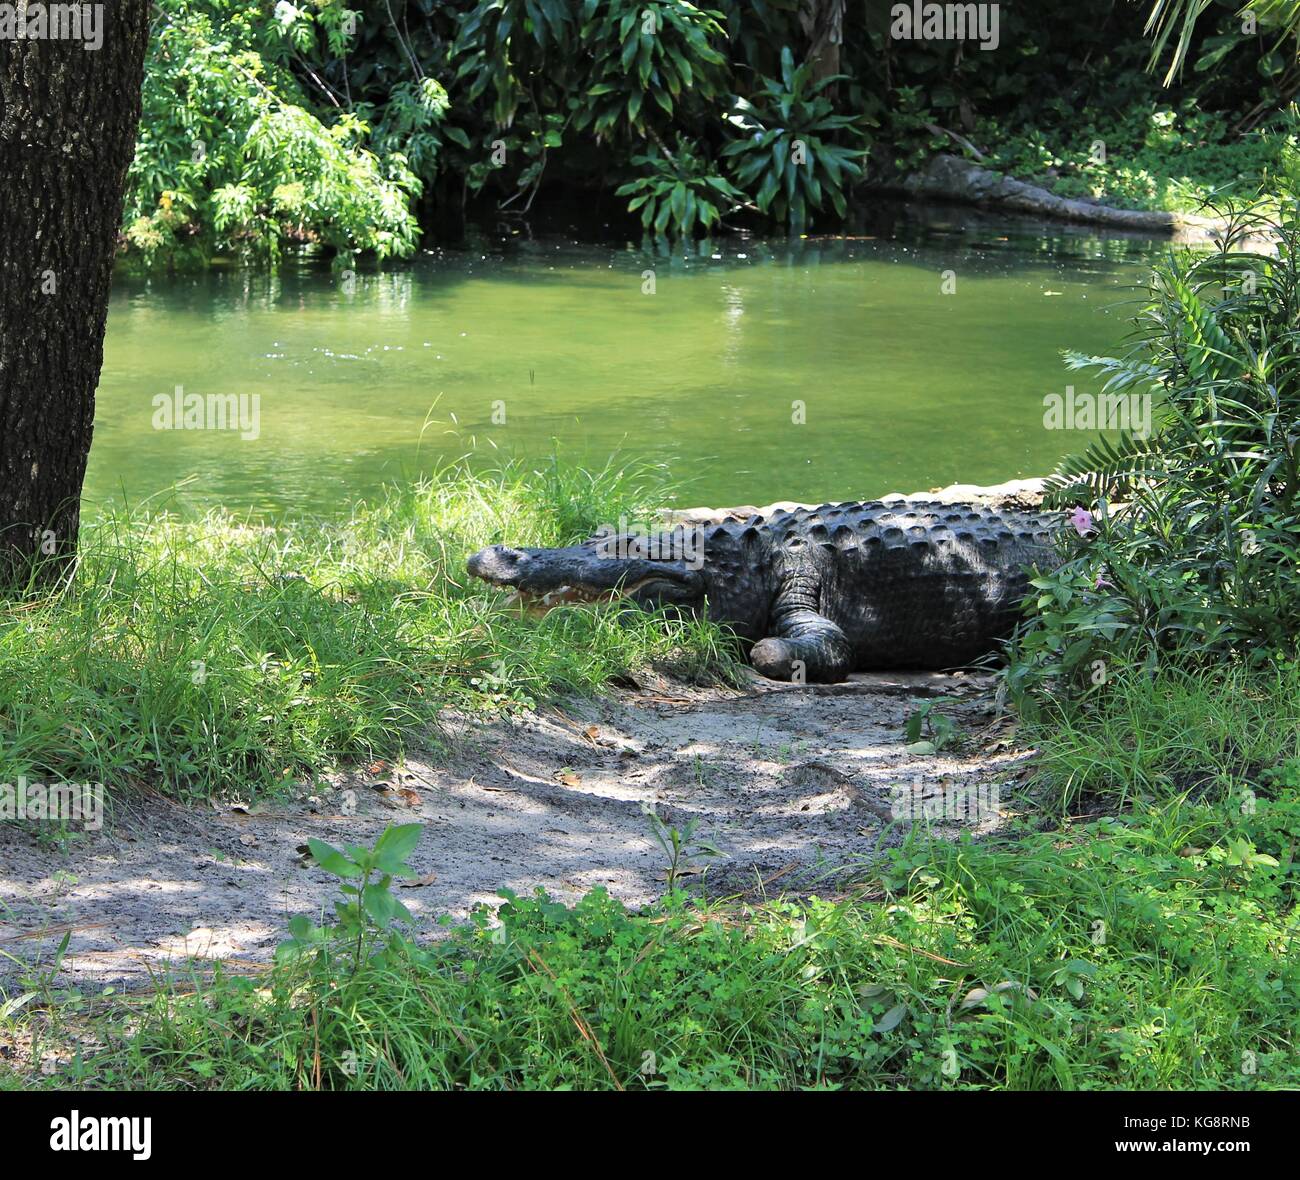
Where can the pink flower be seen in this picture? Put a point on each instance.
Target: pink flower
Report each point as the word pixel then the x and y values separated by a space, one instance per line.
pixel 1082 520
pixel 1102 580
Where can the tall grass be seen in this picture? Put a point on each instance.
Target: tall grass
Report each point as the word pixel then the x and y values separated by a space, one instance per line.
pixel 1141 738
pixel 221 653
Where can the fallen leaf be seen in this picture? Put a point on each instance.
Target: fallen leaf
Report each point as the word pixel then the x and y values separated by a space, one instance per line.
pixel 419 882
pixel 891 1019
pixel 567 778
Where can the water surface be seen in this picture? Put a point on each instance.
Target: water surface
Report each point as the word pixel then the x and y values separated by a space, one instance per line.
pixel 812 369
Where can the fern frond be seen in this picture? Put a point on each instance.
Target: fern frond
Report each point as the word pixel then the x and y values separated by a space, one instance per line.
pixel 1106 470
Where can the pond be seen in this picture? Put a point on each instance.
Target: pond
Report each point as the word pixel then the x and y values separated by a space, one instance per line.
pixel 807 369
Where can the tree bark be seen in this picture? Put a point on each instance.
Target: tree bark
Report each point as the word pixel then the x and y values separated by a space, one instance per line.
pixel 68 119
pixel 823 24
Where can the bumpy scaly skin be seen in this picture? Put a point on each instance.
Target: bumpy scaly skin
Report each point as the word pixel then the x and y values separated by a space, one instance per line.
pixel 827 591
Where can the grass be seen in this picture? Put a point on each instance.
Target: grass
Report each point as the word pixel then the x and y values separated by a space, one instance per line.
pixel 1211 732
pixel 198 656
pixel 1151 948
pixel 1139 938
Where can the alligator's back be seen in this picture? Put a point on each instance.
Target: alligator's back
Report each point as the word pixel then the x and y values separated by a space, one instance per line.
pixel 917 584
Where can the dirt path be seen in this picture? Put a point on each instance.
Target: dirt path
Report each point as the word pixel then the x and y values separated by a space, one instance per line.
pixel 791 783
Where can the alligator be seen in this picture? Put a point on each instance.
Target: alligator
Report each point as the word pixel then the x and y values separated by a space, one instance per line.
pixel 814 593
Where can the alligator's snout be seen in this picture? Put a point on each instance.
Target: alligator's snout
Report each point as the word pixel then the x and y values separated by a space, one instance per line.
pixel 498 564
pixel 584 574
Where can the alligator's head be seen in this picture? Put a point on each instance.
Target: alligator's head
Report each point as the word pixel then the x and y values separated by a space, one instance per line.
pixel 595 571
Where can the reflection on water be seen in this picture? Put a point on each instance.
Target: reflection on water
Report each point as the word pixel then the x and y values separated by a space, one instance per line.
pixel 820 368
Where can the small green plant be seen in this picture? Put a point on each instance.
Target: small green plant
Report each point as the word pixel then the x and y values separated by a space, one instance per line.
pixel 1072 976
pixel 680 193
pixel 926 723
pixel 681 847
pixel 368 907
pixel 1238 858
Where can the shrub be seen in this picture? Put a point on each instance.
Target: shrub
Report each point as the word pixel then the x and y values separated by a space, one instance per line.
pixel 230 156
pixel 1202 561
pixel 787 158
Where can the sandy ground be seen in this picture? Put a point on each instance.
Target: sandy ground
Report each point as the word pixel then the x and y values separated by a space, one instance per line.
pixel 791 783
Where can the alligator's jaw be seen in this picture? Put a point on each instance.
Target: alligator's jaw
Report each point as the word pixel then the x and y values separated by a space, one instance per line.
pixel 542 603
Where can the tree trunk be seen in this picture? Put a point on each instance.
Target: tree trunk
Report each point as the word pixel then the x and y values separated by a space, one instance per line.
pixel 68 118
pixel 823 24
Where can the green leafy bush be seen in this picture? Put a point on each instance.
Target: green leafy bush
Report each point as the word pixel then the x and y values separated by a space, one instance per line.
pixel 646 59
pixel 389 110
pixel 231 157
pixel 787 158
pixel 677 193
pixel 1202 562
pixel 1150 156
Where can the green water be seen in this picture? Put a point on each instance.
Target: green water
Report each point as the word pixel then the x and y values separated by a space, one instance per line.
pixel 376 379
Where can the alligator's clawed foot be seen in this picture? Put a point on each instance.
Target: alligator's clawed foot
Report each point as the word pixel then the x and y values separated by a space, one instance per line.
pixel 816 659
pixel 775 659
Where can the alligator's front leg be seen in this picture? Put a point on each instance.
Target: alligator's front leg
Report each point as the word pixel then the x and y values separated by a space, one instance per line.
pixel 807 646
